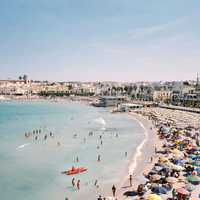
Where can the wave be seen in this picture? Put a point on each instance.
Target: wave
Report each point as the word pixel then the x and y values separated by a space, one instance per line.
pixel 22 146
pixel 103 129
pixel 100 120
pixel 137 154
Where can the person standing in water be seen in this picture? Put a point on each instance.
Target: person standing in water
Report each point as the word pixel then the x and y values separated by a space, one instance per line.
pixel 77 159
pixel 99 159
pixel 78 184
pixel 113 190
pixel 130 181
pixel 95 183
pixel 73 182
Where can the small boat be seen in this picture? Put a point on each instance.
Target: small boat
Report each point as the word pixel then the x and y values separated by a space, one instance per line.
pixel 74 170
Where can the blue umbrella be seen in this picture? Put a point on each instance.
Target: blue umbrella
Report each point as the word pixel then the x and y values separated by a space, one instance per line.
pixel 166 170
pixel 158 190
pixel 160 164
pixel 196 149
pixel 164 128
pixel 179 161
pixel 198 156
pixel 170 131
pixel 191 156
pixel 198 169
pixel 157 168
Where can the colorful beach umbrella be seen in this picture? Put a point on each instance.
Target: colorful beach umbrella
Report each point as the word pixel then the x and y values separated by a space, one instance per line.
pixel 156 168
pixel 169 164
pixel 182 191
pixel 198 156
pixel 155 177
pixel 176 141
pixel 192 145
pixel 176 151
pixel 166 170
pixel 163 159
pixel 179 161
pixel 195 176
pixel 159 164
pixel 192 156
pixel 190 187
pixel 159 190
pixel 141 179
pixel 198 169
pixel 196 149
pixel 177 167
pixel 154 197
pixel 179 156
pixel 196 163
pixel 171 179
pixel 192 179
pixel 164 128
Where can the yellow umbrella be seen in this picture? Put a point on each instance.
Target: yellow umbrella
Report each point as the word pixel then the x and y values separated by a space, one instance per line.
pixel 154 197
pixel 171 179
pixel 176 151
pixel 163 159
pixel 176 141
pixel 177 167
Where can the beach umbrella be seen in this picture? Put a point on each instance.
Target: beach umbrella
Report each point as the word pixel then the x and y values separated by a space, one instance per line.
pixel 141 179
pixel 176 141
pixel 163 159
pixel 196 163
pixel 165 132
pixel 164 128
pixel 154 197
pixel 190 187
pixel 169 164
pixel 195 149
pixel 170 131
pixel 142 197
pixel 176 151
pixel 191 156
pixel 198 156
pixel 166 170
pixel 194 176
pixel 198 169
pixel 171 179
pixel 179 161
pixel 156 168
pixel 155 177
pixel 182 191
pixel 177 167
pixel 159 164
pixel 192 145
pixel 159 190
pixel 192 179
pixel 179 156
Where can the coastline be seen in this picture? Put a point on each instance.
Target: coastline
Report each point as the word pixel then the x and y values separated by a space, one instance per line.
pixel 142 162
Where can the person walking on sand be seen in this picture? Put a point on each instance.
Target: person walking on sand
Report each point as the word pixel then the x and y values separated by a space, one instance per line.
pixel 151 159
pixel 130 181
pixel 100 198
pixel 73 182
pixel 156 150
pixel 78 184
pixel 113 190
pixel 174 193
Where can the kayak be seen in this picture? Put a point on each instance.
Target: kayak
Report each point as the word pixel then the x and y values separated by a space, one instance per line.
pixel 75 171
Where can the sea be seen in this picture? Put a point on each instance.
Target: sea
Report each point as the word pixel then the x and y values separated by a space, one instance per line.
pixel 31 169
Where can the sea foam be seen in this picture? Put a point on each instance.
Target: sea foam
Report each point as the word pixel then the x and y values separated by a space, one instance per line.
pixel 100 120
pixel 22 146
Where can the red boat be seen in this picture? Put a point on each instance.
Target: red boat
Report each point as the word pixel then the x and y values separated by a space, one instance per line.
pixel 74 170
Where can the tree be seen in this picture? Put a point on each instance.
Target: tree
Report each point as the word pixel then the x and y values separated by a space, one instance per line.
pixel 70 87
pixel 141 88
pixel 197 103
pixel 186 83
pixel 133 96
pixel 138 95
pixel 129 92
pixel 135 88
pixel 177 101
pixel 148 92
pixel 20 77
pixel 126 88
pixel 131 89
pixel 187 102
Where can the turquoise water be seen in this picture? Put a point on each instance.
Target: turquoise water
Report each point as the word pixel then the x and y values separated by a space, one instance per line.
pixel 31 169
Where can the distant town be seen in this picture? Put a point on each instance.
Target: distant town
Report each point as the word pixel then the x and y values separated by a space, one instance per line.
pixel 177 93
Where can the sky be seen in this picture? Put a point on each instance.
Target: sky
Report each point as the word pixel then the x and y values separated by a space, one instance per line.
pixel 100 40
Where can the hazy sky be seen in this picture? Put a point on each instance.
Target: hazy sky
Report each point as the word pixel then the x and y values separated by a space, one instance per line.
pixel 96 40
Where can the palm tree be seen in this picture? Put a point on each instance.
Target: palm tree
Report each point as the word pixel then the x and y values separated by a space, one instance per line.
pixel 131 89
pixel 20 77
pixel 141 88
pixel 122 89
pixel 197 103
pixel 148 92
pixel 133 96
pixel 187 102
pixel 177 101
pixel 135 88
pixel 138 95
pixel 126 88
pixel 109 90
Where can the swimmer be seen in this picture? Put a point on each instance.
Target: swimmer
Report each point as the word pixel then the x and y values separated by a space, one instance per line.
pixel 101 142
pixel 84 139
pixel 78 184
pixel 73 182
pixel 58 143
pixel 99 159
pixel 95 183
pixel 100 136
pixel 116 135
pixel 125 153
pixel 77 159
pixel 36 138
pixel 98 147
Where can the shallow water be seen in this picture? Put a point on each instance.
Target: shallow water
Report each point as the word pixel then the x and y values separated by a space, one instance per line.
pixel 31 169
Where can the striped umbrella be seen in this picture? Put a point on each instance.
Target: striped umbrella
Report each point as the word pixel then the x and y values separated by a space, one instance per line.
pixel 171 179
pixel 169 164
pixel 155 177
